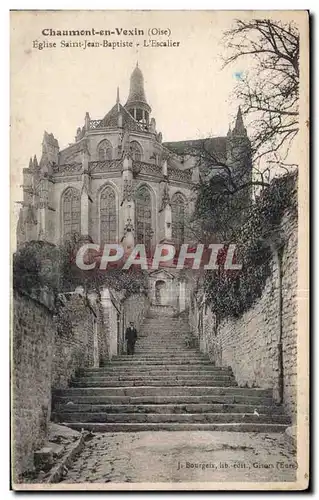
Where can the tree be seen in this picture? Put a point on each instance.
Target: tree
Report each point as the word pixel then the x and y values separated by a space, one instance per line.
pixel 269 94
pixel 269 91
pixel 223 193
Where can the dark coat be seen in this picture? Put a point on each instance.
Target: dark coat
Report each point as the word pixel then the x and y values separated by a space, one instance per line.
pixel 131 334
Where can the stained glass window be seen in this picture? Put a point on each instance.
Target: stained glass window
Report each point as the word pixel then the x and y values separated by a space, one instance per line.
pixel 136 151
pixel 108 221
pixel 105 150
pixel 71 212
pixel 178 218
pixel 143 204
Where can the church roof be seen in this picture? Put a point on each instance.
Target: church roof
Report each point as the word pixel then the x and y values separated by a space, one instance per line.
pixel 216 146
pixel 111 118
pixel 70 152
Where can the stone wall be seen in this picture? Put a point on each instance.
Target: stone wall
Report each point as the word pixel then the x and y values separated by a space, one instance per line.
pixel 74 347
pixel 49 347
pixel 135 309
pixel 111 305
pixel 32 350
pixel 249 344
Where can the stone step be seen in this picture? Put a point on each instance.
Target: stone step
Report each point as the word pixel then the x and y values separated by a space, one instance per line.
pixel 131 361
pixel 160 378
pixel 161 354
pixel 155 418
pixel 161 350
pixel 63 398
pixel 158 333
pixel 164 323
pixel 163 391
pixel 154 331
pixel 165 354
pixel 147 370
pixel 161 320
pixel 154 383
pixel 172 346
pixel 167 324
pixel 171 338
pixel 138 427
pixel 158 330
pixel 170 408
pixel 170 358
pixel 157 347
pixel 156 337
pixel 165 385
pixel 164 344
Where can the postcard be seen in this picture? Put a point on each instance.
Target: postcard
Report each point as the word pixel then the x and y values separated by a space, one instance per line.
pixel 160 241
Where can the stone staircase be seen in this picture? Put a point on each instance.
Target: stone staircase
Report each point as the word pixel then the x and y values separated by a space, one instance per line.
pixel 165 386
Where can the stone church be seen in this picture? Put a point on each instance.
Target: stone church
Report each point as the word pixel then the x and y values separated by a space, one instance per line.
pixel 119 180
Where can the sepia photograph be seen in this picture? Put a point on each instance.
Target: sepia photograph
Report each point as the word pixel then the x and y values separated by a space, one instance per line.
pixel 159 248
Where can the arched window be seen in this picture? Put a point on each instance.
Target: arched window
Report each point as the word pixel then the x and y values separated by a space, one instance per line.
pixel 108 221
pixel 71 212
pixel 136 151
pixel 104 150
pixel 143 207
pixel 178 218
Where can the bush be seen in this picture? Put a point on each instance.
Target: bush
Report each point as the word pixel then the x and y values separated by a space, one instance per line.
pixel 39 264
pixel 231 293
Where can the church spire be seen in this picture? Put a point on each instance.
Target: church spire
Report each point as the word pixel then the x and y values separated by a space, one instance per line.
pixel 137 92
pixel 239 125
pixel 118 98
pixel 137 104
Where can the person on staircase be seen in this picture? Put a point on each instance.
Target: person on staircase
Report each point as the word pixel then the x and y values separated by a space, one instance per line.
pixel 131 337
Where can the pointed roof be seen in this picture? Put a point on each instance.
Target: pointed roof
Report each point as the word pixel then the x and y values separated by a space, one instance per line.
pixel 137 92
pixel 162 271
pixel 239 125
pixel 110 119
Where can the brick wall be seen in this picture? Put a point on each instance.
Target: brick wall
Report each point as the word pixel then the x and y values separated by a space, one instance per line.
pixel 249 343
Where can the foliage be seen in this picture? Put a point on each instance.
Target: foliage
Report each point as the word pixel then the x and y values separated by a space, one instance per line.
pixel 218 210
pixel 39 264
pixel 231 293
pixel 35 266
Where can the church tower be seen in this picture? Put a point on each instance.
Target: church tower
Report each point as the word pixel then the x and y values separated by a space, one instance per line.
pixel 137 104
pixel 239 158
pixel 238 151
